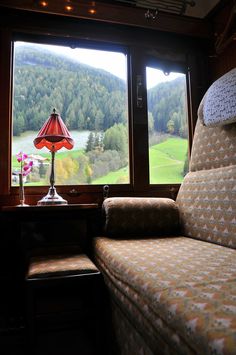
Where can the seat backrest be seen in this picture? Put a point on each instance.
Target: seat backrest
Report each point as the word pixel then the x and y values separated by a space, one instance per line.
pixel 207 196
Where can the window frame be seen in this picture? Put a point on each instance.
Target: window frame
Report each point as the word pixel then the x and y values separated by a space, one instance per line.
pixel 77 44
pixel 137 55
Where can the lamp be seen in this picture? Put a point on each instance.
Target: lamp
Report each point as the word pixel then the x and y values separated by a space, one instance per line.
pixel 53 135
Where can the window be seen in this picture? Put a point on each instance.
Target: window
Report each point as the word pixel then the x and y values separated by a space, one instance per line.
pixel 113 149
pixel 88 87
pixel 167 126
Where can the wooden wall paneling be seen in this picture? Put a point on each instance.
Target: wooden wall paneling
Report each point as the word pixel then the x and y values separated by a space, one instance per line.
pixel 5 105
pixel 73 29
pixel 224 59
pixel 222 63
pixel 198 82
pixel 139 121
pixel 113 13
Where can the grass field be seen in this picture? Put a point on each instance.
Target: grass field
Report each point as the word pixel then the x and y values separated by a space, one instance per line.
pixel 120 176
pixel 166 163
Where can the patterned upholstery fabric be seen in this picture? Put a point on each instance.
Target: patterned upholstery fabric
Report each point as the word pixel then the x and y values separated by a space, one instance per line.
pixel 213 147
pixel 181 298
pixel 207 197
pixel 59 265
pixel 130 341
pixel 137 216
pixel 218 106
pixel 207 204
pixel 177 294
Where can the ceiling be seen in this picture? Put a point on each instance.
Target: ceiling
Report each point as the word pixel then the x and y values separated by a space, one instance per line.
pixel 192 8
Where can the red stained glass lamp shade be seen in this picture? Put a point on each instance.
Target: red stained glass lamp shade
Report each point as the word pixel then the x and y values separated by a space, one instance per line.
pixel 53 135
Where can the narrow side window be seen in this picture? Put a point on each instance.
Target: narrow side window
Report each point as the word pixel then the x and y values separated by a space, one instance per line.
pixel 167 126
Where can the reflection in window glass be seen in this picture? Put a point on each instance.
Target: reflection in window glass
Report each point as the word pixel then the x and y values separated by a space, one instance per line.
pixel 89 90
pixel 167 124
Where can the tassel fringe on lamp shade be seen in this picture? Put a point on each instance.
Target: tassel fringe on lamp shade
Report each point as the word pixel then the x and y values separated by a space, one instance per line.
pixel 53 135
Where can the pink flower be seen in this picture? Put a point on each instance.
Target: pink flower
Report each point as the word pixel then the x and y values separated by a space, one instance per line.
pixel 21 156
pixel 25 166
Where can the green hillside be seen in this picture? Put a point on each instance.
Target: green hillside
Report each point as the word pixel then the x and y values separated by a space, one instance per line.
pixel 166 164
pixel 87 98
pixel 167 105
pixel 167 161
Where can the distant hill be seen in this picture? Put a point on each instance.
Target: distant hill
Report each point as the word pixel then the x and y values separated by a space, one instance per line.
pixel 87 98
pixel 167 105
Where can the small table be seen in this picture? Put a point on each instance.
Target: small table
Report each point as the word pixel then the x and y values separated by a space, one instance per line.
pixel 58 300
pixel 46 226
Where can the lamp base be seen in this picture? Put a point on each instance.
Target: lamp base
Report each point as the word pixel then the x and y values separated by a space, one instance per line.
pixel 52 198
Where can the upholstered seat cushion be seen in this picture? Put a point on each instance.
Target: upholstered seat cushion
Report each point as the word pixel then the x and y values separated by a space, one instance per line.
pixel 177 291
pixel 59 265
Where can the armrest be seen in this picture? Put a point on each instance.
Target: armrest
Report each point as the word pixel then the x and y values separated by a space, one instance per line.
pixel 140 216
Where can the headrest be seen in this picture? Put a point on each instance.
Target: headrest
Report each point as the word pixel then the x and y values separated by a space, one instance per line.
pixel 218 106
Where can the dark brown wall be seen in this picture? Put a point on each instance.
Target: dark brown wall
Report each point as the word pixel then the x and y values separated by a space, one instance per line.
pixel 223 62
pixel 225 25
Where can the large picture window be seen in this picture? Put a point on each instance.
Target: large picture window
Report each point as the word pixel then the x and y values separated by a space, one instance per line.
pixel 167 126
pixel 88 87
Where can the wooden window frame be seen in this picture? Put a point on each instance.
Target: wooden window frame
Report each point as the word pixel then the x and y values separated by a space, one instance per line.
pixel 138 123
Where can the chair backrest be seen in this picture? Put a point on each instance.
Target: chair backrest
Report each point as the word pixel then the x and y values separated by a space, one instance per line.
pixel 207 196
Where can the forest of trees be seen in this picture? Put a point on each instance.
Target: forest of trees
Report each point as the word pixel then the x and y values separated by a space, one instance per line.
pixel 167 108
pixel 87 98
